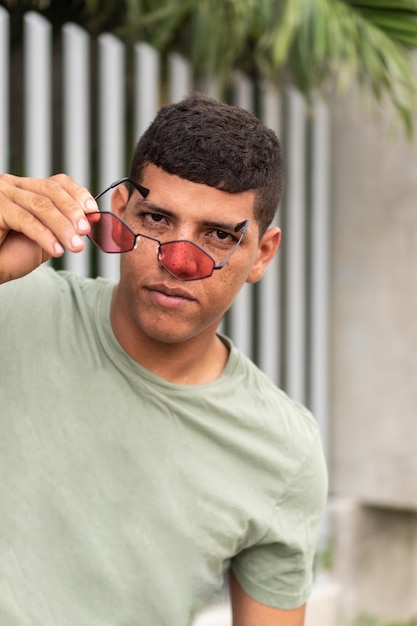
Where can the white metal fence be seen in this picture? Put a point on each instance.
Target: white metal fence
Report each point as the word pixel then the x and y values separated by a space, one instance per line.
pixel 282 322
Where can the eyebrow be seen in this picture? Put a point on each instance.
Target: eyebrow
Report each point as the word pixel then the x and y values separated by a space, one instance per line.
pixel 226 226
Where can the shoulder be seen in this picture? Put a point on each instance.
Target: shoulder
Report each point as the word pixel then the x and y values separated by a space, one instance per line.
pixel 278 435
pixel 288 459
pixel 267 407
pixel 47 298
pixel 47 282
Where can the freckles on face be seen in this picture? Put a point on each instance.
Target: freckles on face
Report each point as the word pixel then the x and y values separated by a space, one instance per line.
pixel 221 289
pixel 154 302
pixel 168 310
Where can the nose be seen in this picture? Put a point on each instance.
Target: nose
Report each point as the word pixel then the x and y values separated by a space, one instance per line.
pixel 184 260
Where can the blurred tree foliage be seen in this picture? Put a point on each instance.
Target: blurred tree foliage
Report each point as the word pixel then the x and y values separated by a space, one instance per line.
pixel 313 44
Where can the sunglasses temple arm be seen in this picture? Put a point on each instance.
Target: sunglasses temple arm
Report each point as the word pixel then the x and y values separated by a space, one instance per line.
pixel 112 186
pixel 244 226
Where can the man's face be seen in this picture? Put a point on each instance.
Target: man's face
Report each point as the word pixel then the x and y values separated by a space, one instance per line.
pixel 154 303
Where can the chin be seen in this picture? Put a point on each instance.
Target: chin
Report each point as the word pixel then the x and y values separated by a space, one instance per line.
pixel 175 334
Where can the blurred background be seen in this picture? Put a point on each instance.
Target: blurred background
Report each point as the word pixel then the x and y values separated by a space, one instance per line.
pixel 334 320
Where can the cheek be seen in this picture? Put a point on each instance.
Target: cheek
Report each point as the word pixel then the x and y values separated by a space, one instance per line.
pixel 236 274
pixel 138 262
pixel 225 285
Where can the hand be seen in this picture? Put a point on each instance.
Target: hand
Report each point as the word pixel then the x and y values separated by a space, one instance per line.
pixel 39 218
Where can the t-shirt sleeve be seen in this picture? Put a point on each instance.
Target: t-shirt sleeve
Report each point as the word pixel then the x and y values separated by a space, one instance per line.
pixel 278 570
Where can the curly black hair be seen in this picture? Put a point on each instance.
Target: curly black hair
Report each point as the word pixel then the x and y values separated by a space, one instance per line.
pixel 207 141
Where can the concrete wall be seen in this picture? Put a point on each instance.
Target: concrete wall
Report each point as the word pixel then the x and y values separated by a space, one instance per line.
pixel 374 309
pixel 374 361
pixel 375 564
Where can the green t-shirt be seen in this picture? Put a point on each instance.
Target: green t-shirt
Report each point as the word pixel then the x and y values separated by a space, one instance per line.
pixel 124 498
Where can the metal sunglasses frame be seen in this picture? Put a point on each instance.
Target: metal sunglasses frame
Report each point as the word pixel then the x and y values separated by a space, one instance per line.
pixel 241 226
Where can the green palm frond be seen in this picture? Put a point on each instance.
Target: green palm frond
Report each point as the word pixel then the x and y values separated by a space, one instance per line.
pixel 338 41
pixel 394 17
pixel 313 43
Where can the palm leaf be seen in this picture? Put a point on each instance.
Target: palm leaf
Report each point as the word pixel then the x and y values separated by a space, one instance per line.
pixel 313 43
pixel 334 41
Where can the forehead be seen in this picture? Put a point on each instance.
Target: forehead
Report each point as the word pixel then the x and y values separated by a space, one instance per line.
pixel 195 201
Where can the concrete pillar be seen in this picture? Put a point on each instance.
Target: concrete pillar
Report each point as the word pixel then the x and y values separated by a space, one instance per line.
pixel 375 562
pixel 373 464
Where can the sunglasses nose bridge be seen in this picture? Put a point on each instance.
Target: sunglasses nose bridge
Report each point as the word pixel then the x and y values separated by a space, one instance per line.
pixel 185 260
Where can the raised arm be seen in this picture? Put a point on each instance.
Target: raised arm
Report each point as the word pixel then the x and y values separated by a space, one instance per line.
pixel 39 218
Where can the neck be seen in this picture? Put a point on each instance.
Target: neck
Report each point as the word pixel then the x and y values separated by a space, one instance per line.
pixel 193 361
pixel 191 365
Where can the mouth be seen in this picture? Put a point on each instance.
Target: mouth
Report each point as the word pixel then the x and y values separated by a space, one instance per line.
pixel 169 296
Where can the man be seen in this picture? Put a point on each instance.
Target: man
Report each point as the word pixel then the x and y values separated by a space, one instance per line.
pixel 142 456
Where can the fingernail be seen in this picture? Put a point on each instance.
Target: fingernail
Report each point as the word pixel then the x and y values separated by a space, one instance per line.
pixel 91 204
pixel 58 248
pixel 76 241
pixel 83 224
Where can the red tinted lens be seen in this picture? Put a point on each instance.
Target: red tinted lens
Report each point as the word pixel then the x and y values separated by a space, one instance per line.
pixel 185 260
pixel 109 233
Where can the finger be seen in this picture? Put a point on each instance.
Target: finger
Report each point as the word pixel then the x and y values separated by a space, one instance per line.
pixel 52 238
pixel 71 199
pixel 58 204
pixel 79 193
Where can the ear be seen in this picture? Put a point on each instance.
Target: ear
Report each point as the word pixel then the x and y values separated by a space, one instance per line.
pixel 119 200
pixel 268 247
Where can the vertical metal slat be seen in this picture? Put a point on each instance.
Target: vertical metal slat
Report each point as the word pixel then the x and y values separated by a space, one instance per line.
pixel 295 250
pixel 37 104
pixel 147 82
pixel 319 365
pixel 179 77
pixel 111 53
pixel 4 90
pixel 269 293
pixel 76 106
pixel 240 315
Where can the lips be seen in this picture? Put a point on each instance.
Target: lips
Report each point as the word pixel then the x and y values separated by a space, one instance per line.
pixel 171 292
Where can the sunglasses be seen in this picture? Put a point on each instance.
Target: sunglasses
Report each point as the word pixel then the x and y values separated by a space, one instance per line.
pixel 183 259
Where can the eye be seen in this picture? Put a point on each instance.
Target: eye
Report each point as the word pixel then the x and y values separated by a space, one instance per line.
pixel 154 217
pixel 222 235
